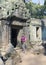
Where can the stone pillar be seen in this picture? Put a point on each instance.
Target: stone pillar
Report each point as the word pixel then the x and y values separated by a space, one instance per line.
pixel 19 35
pixel 9 34
pixel 0 36
pixel 5 36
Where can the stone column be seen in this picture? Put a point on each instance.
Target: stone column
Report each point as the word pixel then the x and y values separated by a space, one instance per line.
pixel 9 34
pixel 0 36
pixel 19 35
pixel 5 36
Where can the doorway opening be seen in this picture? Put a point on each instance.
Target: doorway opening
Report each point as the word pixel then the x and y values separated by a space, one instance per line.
pixel 37 32
pixel 14 34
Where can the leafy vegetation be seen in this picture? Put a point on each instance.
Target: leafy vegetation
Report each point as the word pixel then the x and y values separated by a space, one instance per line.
pixel 36 10
pixel 45 2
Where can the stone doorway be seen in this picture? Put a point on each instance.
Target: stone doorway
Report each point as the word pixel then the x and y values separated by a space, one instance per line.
pixel 14 34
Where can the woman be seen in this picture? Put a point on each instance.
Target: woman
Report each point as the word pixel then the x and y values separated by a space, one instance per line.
pixel 23 40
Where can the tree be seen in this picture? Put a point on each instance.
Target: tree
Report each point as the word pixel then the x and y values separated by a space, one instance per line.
pixel 36 10
pixel 24 1
pixel 44 2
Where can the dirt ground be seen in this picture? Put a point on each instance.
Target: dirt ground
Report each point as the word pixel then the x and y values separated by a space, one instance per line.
pixel 30 59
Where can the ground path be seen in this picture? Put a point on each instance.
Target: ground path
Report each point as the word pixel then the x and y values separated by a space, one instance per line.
pixel 30 59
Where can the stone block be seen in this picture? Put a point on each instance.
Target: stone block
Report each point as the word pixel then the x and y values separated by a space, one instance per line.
pixel 1 62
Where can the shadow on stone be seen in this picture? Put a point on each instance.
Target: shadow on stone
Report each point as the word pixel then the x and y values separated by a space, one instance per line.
pixel 44 45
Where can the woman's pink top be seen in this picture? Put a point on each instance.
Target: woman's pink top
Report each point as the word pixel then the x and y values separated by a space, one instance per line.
pixel 23 38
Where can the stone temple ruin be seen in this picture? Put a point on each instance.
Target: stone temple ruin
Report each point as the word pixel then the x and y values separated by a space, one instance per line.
pixel 14 20
pixel 38 35
pixel 13 17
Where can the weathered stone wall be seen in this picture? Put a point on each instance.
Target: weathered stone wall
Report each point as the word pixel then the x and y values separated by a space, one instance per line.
pixel 4 36
pixel 9 7
pixel 35 34
pixel 0 32
pixel 0 36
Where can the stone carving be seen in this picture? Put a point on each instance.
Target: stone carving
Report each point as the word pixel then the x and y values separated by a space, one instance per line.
pixel 7 8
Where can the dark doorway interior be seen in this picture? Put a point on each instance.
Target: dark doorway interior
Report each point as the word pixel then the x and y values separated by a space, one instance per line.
pixel 14 33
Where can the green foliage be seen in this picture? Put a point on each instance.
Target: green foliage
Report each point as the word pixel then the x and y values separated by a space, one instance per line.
pixel 36 10
pixel 45 2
